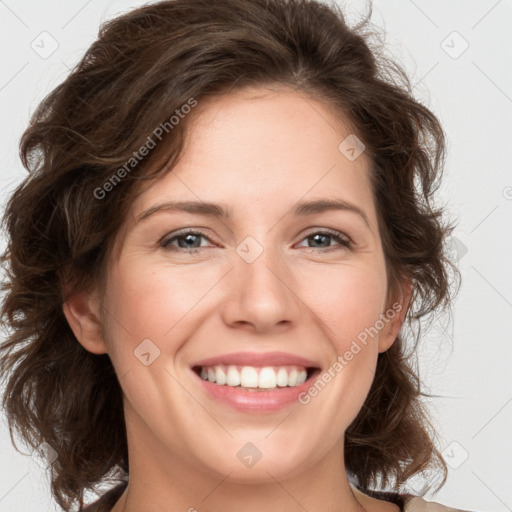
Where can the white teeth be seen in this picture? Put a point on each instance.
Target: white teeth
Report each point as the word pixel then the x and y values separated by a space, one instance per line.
pixel 233 376
pixel 301 377
pixel 282 377
pixel 220 376
pixel 292 378
pixel 249 377
pixel 267 377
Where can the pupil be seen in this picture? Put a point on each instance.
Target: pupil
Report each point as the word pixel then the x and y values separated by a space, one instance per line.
pixel 318 236
pixel 189 238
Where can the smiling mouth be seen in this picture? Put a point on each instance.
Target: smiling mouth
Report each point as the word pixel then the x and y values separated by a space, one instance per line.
pixel 254 378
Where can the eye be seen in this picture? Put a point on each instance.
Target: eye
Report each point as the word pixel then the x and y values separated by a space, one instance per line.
pixel 327 235
pixel 190 241
pixel 187 241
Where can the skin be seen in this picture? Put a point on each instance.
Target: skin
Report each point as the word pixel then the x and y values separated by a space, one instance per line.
pixel 258 152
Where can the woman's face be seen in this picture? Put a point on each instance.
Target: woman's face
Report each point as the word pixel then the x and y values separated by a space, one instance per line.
pixel 272 284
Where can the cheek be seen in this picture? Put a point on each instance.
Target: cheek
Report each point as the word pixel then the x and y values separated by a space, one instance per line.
pixel 349 304
pixel 347 299
pixel 140 304
pixel 154 301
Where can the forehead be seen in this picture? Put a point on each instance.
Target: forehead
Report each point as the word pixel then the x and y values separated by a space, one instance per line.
pixel 258 146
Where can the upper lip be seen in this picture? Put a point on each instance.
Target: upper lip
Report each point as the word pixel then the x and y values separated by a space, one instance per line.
pixel 258 359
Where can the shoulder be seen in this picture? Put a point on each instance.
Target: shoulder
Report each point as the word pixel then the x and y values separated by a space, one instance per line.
pixel 405 502
pixel 418 504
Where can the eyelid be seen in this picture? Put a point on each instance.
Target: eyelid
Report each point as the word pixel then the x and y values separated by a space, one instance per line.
pixel 328 231
pixel 182 232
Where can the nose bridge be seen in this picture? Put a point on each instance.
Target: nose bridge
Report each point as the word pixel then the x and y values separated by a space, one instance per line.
pixel 258 267
pixel 260 287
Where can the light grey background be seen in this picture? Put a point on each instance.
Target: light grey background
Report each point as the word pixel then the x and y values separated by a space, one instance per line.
pixel 471 92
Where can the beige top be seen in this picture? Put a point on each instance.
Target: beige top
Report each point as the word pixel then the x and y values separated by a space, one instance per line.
pixel 420 505
pixel 410 503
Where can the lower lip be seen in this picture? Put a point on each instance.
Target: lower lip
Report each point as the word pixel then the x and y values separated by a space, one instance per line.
pixel 256 401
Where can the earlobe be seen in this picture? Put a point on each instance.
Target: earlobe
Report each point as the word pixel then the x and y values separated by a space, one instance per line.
pixel 82 313
pixel 397 313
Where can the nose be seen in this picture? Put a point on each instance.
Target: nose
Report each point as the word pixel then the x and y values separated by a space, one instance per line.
pixel 262 296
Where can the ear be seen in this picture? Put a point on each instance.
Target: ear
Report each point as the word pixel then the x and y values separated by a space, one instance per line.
pixel 394 316
pixel 82 311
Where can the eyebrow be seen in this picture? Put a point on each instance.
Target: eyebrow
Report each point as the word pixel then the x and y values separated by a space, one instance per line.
pixel 216 210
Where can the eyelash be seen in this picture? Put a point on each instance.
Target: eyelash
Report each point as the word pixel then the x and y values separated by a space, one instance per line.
pixel 338 236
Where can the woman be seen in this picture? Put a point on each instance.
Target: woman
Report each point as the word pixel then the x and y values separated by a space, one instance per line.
pixel 229 219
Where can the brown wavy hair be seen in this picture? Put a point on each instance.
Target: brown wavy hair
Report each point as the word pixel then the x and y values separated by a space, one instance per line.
pixel 144 66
